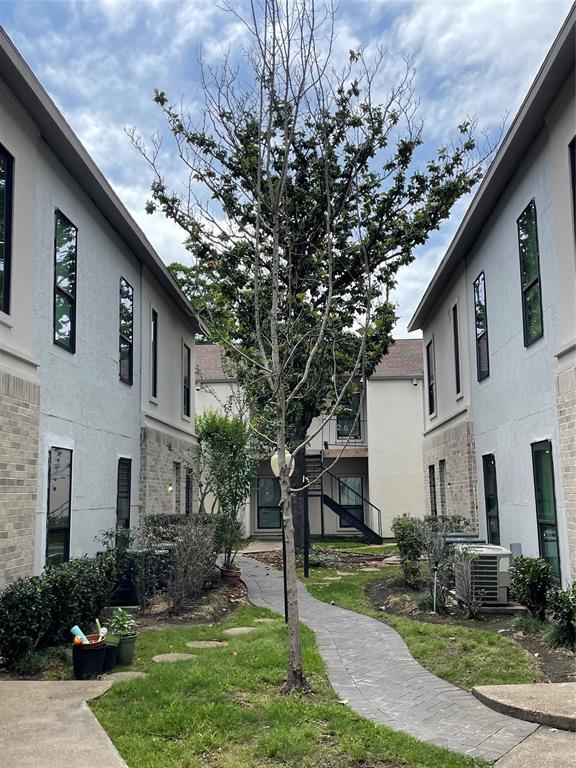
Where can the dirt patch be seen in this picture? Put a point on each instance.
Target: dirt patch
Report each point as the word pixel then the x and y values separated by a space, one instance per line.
pixel 211 607
pixel 329 558
pixel 556 665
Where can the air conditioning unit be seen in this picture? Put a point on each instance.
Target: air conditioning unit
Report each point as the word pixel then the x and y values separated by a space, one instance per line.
pixel 490 574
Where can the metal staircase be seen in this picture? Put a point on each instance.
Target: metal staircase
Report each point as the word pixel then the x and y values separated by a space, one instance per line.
pixel 314 467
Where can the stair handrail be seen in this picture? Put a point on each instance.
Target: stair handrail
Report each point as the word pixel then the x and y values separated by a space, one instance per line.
pixel 364 499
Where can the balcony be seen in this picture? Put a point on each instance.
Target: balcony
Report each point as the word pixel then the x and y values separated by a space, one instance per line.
pixel 345 430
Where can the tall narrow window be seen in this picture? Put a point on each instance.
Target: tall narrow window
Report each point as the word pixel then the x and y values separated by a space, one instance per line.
pixel 176 488
pixel 186 399
pixel 59 501
pixel 572 149
pixel 6 184
pixel 481 322
pixel 348 423
pixel 189 492
pixel 123 493
pixel 268 502
pixel 530 274
pixel 546 505
pixel 442 478
pixel 431 374
pixel 432 488
pixel 154 353
pixel 126 331
pixel 491 498
pixel 65 249
pixel 456 345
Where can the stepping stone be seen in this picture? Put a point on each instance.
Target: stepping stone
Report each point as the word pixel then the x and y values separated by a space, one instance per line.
pixel 206 643
pixel 118 676
pixel 332 578
pixel 239 630
pixel 168 658
pixel 264 621
pixel 369 568
pixel 344 573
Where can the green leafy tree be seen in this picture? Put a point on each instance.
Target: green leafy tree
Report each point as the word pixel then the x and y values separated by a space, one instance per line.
pixel 303 198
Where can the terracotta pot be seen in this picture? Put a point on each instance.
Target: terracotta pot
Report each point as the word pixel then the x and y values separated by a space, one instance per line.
pixel 231 575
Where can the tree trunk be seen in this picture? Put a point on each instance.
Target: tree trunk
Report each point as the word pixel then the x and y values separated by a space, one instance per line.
pixel 295 675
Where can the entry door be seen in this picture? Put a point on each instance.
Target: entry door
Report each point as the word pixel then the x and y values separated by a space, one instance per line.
pixel 269 515
pixel 351 493
pixel 546 505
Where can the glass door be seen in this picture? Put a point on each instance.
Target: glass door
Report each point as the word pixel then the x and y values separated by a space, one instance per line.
pixel 351 493
pixel 268 502
pixel 59 496
pixel 546 505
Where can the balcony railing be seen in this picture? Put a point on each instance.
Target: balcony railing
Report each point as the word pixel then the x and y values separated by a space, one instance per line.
pixel 345 430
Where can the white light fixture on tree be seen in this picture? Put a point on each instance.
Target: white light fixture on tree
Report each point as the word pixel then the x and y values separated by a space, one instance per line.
pixel 275 464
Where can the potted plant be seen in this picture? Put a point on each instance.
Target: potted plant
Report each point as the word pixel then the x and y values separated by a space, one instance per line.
pixel 231 538
pixel 122 625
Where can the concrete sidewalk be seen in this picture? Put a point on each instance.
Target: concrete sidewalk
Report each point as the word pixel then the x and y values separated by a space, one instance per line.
pixel 551 704
pixel 545 748
pixel 49 725
pixel 370 666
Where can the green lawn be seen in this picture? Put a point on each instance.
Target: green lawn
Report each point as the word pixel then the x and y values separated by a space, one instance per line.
pixel 464 656
pixel 359 545
pixel 225 711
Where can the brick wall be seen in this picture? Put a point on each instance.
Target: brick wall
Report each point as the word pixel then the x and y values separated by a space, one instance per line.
pixel 566 406
pixel 454 446
pixel 159 451
pixel 19 401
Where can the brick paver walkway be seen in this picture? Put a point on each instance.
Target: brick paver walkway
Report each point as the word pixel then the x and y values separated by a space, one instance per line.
pixel 370 666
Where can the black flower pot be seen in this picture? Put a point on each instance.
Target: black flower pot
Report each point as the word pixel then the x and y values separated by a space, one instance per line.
pixel 111 657
pixel 88 660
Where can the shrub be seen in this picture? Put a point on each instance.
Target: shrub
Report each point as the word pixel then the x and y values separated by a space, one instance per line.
pixel 470 597
pixel 530 581
pixel 194 560
pixel 26 609
pixel 562 612
pixel 39 611
pixel 409 540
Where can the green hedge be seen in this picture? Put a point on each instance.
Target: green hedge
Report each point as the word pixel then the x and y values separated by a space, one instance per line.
pixel 39 611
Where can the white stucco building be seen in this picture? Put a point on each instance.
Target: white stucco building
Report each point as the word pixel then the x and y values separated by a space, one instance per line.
pixel 96 346
pixel 499 325
pixel 378 474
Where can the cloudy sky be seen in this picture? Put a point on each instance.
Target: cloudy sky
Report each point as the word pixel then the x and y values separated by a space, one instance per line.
pixel 100 61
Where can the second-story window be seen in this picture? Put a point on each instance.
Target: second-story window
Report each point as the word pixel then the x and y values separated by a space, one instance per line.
pixel 348 423
pixel 186 361
pixel 65 251
pixel 431 375
pixel 456 343
pixel 154 353
pixel 530 275
pixel 481 323
pixel 126 331
pixel 6 181
pixel 572 150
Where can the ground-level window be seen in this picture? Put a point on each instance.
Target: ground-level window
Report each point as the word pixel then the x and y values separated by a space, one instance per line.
pixel 268 502
pixel 491 498
pixel 59 503
pixel 123 493
pixel 546 505
pixel 442 478
pixel 176 487
pixel 351 488
pixel 189 491
pixel 6 184
pixel 432 488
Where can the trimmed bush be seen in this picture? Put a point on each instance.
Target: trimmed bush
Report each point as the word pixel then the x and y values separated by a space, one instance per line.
pixel 530 582
pixel 409 540
pixel 562 612
pixel 39 611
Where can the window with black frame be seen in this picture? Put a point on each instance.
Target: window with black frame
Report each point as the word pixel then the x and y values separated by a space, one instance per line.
pixel 348 423
pixel 154 354
pixel 572 151
pixel 351 491
pixel 59 505
pixel 123 493
pixel 432 490
pixel 481 322
pixel 431 375
pixel 491 498
pixel 545 497
pixel 65 262
pixel 126 331
pixel 186 373
pixel 6 186
pixel 533 321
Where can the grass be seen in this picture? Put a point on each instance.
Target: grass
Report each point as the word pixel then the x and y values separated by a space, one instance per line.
pixel 463 656
pixel 225 711
pixel 358 545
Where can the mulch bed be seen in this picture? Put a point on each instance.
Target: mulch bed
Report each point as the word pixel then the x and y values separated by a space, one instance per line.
pixel 341 558
pixel 211 607
pixel 557 665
